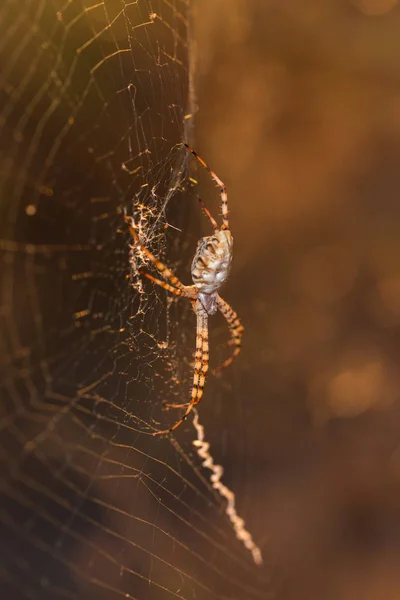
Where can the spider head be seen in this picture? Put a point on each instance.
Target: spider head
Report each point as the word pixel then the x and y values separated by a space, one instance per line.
pixel 212 261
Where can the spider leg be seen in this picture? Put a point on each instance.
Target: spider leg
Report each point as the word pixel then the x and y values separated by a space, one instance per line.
pixel 200 364
pixel 168 405
pixel 208 214
pixel 222 188
pixel 235 328
pixel 163 269
pixel 163 284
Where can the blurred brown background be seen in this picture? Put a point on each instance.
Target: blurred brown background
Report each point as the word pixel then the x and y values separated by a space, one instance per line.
pixel 299 113
pixel 300 116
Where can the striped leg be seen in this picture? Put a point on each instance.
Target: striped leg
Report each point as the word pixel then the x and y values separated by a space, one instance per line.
pixel 208 215
pixel 163 269
pixel 235 328
pixel 200 364
pixel 222 188
pixel 163 284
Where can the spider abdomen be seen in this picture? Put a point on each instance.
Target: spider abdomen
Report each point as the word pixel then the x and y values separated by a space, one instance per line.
pixel 212 261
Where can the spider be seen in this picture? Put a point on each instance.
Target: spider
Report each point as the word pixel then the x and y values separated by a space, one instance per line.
pixel 210 269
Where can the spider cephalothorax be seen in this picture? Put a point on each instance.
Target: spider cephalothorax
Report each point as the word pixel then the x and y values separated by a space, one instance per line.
pixel 210 269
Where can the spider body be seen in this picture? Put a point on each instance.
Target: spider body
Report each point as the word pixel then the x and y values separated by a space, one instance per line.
pixel 210 269
pixel 212 261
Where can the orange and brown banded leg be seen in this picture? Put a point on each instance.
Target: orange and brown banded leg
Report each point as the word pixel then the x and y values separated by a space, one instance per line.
pixel 163 269
pixel 163 284
pixel 200 365
pixel 208 214
pixel 221 185
pixel 235 328
pixel 168 405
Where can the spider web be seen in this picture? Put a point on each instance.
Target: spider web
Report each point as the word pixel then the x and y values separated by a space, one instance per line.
pixel 96 99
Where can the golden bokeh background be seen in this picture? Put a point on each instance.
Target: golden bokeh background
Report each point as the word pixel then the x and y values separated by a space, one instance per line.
pixel 299 113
